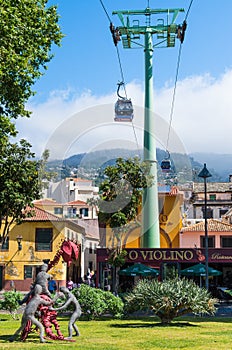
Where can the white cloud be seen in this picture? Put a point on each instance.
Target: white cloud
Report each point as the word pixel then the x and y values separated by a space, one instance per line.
pixel 201 118
pixel 202 113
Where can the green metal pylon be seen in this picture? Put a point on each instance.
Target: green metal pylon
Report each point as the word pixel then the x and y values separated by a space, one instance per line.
pixel 130 33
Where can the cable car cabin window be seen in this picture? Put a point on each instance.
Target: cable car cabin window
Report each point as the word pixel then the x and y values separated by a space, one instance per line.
pixel 123 110
pixel 165 165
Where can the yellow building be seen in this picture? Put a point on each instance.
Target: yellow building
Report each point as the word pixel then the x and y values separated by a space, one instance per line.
pixel 41 236
pixel 170 220
pixel 170 223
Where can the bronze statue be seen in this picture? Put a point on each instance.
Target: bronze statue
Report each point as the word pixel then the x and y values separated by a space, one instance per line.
pixel 71 299
pixel 42 277
pixel 38 300
pixel 29 313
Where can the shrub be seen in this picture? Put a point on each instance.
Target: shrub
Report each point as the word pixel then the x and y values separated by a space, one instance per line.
pixel 96 302
pixel 170 299
pixel 114 304
pixel 10 302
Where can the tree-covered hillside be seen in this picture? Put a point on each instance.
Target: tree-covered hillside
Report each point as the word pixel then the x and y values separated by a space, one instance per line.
pixel 91 165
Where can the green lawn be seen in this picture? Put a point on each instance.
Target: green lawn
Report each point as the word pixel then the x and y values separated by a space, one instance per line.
pixel 145 333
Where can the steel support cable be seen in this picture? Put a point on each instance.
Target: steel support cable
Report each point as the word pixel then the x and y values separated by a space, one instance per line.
pixel 173 98
pixel 119 60
pixel 175 84
pixel 122 74
pixel 105 11
pixel 190 5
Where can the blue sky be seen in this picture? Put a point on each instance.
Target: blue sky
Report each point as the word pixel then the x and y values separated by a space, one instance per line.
pixel 85 72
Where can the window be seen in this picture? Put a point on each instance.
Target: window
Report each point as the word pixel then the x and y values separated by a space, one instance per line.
pixel 5 245
pixel 72 212
pixel 84 211
pixel 43 239
pixel 226 241
pixel 90 248
pixel 212 197
pixel 211 241
pixel 28 271
pixel 58 210
pixel 223 212
pixel 209 213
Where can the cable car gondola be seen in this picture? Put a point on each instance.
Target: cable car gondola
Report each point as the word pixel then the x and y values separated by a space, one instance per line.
pixel 123 109
pixel 166 164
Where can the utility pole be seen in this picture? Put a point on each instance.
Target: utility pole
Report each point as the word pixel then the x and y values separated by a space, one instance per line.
pixel 130 32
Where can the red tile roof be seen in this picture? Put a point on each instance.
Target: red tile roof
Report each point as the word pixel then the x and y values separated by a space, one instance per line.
pixel 40 215
pixel 46 201
pixel 78 179
pixel 173 191
pixel 76 203
pixel 212 224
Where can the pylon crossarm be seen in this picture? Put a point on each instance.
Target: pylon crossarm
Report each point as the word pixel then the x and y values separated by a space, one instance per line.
pixel 166 32
pixel 152 29
pixel 147 11
pixel 175 14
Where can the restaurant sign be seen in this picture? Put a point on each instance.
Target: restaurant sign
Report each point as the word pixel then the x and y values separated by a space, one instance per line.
pixel 148 255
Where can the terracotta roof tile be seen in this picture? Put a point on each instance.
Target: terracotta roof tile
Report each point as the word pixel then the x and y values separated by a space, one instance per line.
pixel 78 179
pixel 40 215
pixel 212 224
pixel 46 201
pixel 173 191
pixel 78 202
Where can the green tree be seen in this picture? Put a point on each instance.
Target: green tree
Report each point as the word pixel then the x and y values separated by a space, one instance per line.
pixel 121 195
pixel 170 299
pixel 45 176
pixel 93 203
pixel 19 183
pixel 120 199
pixel 28 31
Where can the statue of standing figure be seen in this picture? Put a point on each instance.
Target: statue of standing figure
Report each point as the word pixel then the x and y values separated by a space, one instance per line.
pixel 42 278
pixel 70 299
pixel 29 313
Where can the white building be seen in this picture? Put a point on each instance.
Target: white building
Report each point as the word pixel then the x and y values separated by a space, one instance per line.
pixel 72 189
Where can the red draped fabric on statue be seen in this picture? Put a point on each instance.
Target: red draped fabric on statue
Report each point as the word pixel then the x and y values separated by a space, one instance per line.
pixel 68 250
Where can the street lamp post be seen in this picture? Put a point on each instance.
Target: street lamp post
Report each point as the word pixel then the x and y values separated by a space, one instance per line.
pixel 205 174
pixel 19 241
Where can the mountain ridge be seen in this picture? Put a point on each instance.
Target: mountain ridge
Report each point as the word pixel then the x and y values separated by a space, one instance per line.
pixel 220 165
